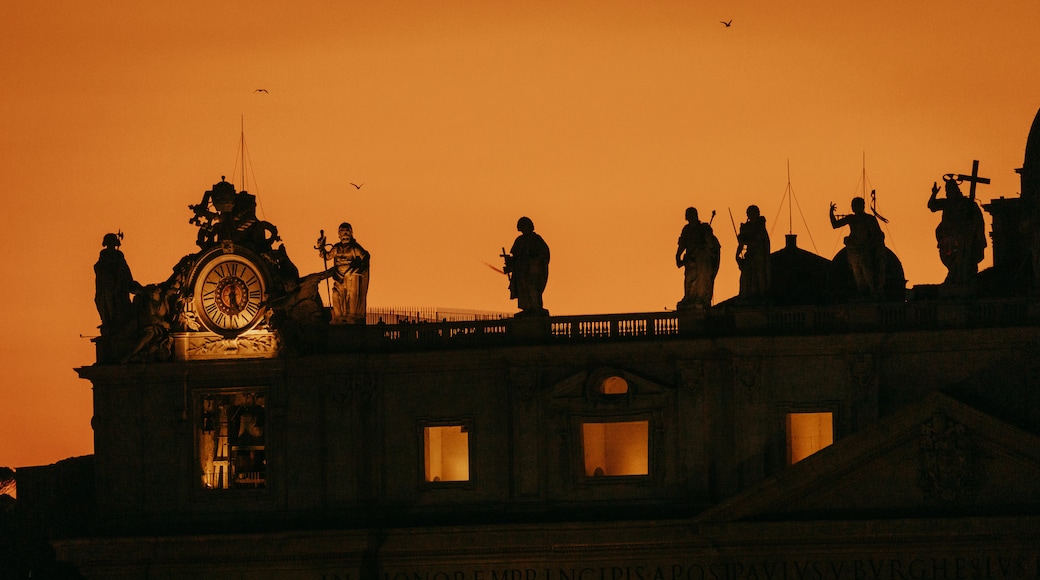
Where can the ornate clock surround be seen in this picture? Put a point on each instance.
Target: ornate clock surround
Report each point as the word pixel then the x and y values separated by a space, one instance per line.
pixel 230 290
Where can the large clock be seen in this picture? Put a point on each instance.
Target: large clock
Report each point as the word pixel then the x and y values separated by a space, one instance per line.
pixel 229 293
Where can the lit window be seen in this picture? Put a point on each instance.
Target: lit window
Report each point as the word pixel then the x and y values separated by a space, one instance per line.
pixel 808 433
pixel 614 386
pixel 446 451
pixel 231 436
pixel 620 448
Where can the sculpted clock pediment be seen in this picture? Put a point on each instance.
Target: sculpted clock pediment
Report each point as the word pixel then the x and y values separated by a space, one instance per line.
pixel 229 305
pixel 217 303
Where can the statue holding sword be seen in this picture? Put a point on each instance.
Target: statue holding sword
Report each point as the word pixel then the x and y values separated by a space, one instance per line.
pixel 527 265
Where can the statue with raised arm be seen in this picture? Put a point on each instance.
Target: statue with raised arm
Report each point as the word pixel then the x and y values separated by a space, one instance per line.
pixel 349 274
pixel 960 235
pixel 527 265
pixel 699 254
pixel 753 255
pixel 113 285
pixel 864 248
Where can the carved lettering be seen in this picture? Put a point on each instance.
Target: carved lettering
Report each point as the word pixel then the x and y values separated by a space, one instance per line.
pixel 808 570
pixel 896 569
pixel 965 567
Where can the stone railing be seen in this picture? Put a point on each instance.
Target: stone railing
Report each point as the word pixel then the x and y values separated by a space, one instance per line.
pixel 715 322
pixel 504 332
pixel 721 321
pixel 644 325
pixel 440 332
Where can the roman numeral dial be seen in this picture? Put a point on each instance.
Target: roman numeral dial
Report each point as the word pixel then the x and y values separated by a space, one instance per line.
pixel 230 294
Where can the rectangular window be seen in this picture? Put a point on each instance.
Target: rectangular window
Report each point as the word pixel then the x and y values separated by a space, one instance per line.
pixel 231 437
pixel 446 453
pixel 619 448
pixel 808 433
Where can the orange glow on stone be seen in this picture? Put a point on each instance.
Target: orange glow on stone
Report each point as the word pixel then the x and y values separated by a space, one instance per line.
pixel 613 449
pixel 808 433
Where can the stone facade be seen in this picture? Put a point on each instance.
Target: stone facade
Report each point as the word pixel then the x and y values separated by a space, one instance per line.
pixel 932 472
pixel 808 434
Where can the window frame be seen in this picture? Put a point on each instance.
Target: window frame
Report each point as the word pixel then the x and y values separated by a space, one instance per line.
pixel 467 423
pixel 579 423
pixel 198 396
pixel 831 407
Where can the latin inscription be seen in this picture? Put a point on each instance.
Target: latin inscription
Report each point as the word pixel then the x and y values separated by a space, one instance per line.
pixel 961 568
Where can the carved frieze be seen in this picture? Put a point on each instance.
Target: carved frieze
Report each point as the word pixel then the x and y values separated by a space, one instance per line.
pixel 950 465
pixel 526 382
pixel 207 345
pixel 747 369
pixel 691 375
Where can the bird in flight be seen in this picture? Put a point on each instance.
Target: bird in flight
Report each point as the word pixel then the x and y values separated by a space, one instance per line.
pixel 356 186
pixel 727 24
pixel 265 90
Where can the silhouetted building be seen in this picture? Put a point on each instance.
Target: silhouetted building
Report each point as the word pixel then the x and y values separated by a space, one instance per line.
pixel 1016 221
pixel 804 438
pixel 799 277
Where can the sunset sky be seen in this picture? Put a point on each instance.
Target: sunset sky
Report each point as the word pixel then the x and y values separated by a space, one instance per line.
pixel 601 120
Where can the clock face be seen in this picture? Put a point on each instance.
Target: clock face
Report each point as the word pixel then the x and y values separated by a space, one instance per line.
pixel 230 294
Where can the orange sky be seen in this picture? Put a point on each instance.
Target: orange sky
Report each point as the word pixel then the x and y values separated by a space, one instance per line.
pixel 601 120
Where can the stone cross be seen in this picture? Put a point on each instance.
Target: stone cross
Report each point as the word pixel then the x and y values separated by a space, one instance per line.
pixel 973 178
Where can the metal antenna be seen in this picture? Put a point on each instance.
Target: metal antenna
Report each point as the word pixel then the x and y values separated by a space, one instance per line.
pixel 242 145
pixel 791 200
pixel 790 214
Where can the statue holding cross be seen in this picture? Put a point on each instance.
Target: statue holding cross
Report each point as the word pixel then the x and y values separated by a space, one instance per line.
pixel 960 235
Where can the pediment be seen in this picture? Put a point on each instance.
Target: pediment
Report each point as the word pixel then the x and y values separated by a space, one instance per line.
pixel 586 384
pixel 940 457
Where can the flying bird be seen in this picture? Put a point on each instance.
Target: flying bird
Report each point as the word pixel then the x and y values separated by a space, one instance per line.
pixel 356 186
pixel 265 90
pixel 727 24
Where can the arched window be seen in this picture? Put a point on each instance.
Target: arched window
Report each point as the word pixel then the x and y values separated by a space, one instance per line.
pixel 613 386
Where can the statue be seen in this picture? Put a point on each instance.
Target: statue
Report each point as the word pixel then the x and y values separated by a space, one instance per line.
pixel 699 253
pixel 298 315
pixel 349 274
pixel 865 249
pixel 248 228
pixel 152 307
pixel 960 235
pixel 224 215
pixel 113 286
pixel 753 255
pixel 527 265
